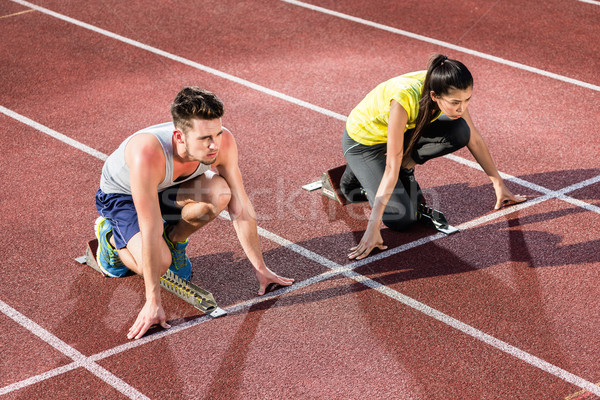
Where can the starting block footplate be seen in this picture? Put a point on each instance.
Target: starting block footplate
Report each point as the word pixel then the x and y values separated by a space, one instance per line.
pixel 435 219
pixel 201 299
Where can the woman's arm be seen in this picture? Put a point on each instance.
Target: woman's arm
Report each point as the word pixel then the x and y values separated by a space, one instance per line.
pixel 479 150
pixel 395 148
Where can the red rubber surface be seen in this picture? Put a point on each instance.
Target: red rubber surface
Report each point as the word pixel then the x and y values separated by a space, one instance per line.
pixel 528 278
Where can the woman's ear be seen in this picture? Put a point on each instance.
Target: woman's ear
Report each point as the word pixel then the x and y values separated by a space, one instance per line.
pixel 433 96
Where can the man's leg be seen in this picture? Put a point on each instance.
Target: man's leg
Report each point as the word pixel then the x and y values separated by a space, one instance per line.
pixel 119 240
pixel 197 202
pixel 131 255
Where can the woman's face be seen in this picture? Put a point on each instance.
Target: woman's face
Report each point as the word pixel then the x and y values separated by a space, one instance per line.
pixel 454 102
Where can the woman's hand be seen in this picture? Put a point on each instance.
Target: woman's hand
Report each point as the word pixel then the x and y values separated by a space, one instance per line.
pixel 369 241
pixel 505 198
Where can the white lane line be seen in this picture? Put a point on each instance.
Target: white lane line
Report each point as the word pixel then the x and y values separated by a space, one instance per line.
pixel 64 348
pixel 217 73
pixel 560 194
pixel 335 269
pixel 596 3
pixel 444 44
pixel 476 333
pixel 15 14
pixel 185 61
pixel 50 132
pixel 38 378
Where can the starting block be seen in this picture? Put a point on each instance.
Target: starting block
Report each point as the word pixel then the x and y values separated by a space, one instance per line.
pixel 330 184
pixel 330 187
pixel 201 299
pixel 435 219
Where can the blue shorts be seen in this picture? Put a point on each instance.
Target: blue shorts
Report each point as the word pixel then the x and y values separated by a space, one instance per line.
pixel 120 211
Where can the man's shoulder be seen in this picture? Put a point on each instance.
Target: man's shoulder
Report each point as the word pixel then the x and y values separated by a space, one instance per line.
pixel 228 142
pixel 228 153
pixel 145 147
pixel 158 128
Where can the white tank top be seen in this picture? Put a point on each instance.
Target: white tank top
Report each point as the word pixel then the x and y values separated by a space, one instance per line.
pixel 115 173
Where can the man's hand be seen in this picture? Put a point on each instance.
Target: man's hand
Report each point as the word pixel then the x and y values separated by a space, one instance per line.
pixel 151 314
pixel 265 277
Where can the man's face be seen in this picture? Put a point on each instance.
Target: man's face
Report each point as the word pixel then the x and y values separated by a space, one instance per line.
pixel 203 140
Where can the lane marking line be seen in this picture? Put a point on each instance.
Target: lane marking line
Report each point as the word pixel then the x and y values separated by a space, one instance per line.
pixel 51 132
pixel 185 61
pixel 596 3
pixel 447 45
pixel 38 378
pixel 256 87
pixel 72 353
pixel 335 269
pixel 15 14
pixel 476 333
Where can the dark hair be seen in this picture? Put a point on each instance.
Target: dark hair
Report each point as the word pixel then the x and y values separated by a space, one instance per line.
pixel 193 102
pixel 443 75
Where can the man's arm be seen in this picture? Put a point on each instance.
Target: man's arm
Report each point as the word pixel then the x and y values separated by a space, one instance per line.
pixel 480 152
pixel 146 163
pixel 243 215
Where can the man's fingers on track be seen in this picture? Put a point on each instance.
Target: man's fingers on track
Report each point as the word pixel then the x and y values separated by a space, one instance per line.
pixel 143 330
pixel 285 281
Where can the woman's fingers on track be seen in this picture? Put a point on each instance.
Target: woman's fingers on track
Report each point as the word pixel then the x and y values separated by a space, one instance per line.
pixel 509 202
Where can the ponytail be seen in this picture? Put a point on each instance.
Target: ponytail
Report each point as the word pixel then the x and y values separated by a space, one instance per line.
pixel 443 75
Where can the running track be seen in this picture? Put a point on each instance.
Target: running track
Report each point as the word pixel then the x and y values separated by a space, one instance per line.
pixel 507 308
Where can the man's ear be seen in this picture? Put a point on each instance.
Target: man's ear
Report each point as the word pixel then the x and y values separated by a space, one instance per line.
pixel 178 135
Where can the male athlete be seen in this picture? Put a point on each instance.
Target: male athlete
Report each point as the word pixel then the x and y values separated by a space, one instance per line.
pixel 158 188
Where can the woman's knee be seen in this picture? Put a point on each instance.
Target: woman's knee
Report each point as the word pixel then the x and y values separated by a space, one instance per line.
pixel 461 134
pixel 398 222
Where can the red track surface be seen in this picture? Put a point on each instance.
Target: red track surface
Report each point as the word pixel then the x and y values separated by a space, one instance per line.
pixel 506 309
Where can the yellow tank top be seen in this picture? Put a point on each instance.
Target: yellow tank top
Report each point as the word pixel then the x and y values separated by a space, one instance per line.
pixel 368 122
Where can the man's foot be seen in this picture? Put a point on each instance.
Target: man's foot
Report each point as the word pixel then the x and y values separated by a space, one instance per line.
pixel 106 255
pixel 180 264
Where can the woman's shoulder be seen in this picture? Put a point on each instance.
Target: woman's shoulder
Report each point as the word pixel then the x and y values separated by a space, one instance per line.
pixel 408 80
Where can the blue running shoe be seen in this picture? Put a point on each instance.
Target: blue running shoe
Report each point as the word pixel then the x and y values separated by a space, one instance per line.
pixel 180 264
pixel 106 255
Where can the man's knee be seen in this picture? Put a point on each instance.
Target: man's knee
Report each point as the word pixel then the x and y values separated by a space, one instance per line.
pixel 199 212
pixel 221 194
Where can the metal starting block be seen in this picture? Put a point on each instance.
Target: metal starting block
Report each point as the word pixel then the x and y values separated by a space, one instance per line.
pixel 435 219
pixel 330 187
pixel 201 299
pixel 330 184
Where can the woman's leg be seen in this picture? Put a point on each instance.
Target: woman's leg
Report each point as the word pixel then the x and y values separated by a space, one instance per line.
pixel 441 137
pixel 366 165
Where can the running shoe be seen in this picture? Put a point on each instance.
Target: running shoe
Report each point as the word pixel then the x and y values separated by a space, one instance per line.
pixel 106 255
pixel 180 264
pixel 351 187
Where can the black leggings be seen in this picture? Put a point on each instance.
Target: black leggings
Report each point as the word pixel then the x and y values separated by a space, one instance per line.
pixel 366 164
